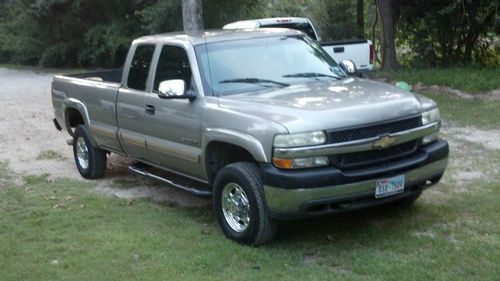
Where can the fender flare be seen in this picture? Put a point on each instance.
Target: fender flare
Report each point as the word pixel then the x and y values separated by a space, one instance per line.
pixel 71 103
pixel 240 139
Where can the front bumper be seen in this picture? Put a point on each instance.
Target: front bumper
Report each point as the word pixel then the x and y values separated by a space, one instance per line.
pixel 295 194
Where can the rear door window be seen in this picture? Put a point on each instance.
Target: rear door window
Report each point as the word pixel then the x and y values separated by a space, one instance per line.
pixel 139 67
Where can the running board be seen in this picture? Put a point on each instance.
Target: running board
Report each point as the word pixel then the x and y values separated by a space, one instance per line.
pixel 140 172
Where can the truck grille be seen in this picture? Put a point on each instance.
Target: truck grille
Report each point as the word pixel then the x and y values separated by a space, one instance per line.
pixel 351 134
pixel 359 159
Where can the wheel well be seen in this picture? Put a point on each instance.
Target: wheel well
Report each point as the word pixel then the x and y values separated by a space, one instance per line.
pixel 74 117
pixel 220 154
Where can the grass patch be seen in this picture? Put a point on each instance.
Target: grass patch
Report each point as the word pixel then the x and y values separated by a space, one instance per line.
pixel 471 80
pixel 125 183
pixel 50 155
pixel 61 230
pixel 464 112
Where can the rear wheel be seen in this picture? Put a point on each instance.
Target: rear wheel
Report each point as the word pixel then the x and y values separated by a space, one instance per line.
pixel 90 161
pixel 240 205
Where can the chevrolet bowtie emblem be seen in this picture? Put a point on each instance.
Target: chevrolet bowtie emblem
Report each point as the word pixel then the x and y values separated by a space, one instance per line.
pixel 384 142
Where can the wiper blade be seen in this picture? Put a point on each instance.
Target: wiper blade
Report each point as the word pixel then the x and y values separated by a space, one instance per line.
pixel 255 81
pixel 311 75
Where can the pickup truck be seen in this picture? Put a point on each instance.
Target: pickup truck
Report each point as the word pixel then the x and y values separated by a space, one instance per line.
pixel 360 51
pixel 262 120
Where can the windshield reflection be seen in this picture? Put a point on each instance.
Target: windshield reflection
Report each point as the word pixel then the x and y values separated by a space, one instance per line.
pixel 243 66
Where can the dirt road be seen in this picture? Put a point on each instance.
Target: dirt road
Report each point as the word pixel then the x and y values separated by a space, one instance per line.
pixel 31 145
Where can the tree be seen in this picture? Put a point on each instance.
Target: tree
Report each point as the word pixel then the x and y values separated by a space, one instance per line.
pixel 360 18
pixel 388 26
pixel 443 32
pixel 192 16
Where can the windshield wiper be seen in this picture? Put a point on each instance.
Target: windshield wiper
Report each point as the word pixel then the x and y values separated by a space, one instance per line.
pixel 257 81
pixel 311 75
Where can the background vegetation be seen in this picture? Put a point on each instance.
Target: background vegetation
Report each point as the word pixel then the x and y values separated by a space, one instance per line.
pixel 92 33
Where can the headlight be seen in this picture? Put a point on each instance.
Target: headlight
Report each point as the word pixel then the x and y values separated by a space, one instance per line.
pixel 430 116
pixel 427 118
pixel 302 139
pixel 300 163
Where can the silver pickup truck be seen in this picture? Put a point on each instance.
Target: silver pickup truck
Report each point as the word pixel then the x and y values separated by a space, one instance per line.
pixel 263 120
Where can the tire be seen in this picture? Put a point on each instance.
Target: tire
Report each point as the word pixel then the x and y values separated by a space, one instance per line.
pixel 241 183
pixel 90 163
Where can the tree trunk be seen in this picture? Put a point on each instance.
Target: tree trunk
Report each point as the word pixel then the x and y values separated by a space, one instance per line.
pixel 360 16
pixel 389 60
pixel 374 35
pixel 192 16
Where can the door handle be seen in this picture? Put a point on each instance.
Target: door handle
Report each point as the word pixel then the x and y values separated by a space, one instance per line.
pixel 150 109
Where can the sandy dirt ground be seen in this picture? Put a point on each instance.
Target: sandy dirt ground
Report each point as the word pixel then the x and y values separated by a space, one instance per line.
pixel 31 145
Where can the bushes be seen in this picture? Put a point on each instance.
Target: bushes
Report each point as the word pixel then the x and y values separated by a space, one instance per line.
pixel 96 33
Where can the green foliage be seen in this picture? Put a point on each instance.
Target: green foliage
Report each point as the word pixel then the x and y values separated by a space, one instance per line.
pixel 107 45
pixel 161 16
pixel 338 19
pixel 444 32
pixel 96 33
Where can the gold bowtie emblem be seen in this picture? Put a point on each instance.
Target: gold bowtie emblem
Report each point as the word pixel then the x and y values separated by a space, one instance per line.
pixel 384 142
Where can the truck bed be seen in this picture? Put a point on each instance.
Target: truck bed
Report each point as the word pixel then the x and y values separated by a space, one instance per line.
pixel 94 94
pixel 108 75
pixel 358 50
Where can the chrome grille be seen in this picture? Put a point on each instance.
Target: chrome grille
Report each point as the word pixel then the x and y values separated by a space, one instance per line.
pixel 351 134
pixel 359 159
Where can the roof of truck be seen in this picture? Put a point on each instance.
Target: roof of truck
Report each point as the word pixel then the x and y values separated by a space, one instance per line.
pixel 256 23
pixel 210 36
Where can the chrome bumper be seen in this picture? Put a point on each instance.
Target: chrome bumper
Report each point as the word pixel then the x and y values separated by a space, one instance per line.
pixel 291 201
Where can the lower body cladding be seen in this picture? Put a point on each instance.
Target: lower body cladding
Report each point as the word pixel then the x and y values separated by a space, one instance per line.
pixel 312 192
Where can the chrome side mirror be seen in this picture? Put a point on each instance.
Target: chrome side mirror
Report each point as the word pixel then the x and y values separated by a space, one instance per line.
pixel 348 66
pixel 175 89
pixel 171 88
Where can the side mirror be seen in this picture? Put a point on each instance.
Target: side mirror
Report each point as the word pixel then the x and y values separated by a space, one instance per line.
pixel 348 66
pixel 174 89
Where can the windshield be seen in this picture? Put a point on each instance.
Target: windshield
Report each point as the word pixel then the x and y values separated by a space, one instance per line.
pixel 232 67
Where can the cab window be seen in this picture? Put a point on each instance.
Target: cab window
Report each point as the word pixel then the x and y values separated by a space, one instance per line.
pixel 139 67
pixel 172 64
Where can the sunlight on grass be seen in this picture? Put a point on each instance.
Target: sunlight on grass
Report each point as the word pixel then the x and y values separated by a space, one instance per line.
pixel 471 80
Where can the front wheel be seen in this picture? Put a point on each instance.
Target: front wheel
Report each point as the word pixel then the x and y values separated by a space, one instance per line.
pixel 240 205
pixel 90 161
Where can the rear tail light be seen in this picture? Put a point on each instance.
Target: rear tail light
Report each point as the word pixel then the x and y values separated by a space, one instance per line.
pixel 371 53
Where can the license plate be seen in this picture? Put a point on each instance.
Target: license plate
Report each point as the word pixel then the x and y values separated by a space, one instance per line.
pixel 389 186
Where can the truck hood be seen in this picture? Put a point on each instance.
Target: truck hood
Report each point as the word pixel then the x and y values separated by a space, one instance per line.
pixel 322 105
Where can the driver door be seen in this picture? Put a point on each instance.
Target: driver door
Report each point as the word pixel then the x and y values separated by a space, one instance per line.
pixel 173 126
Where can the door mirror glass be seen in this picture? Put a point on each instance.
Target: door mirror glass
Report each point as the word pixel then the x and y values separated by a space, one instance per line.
pixel 348 66
pixel 172 89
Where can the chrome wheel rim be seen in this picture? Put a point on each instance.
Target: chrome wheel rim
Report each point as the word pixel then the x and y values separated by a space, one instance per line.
pixel 235 207
pixel 82 153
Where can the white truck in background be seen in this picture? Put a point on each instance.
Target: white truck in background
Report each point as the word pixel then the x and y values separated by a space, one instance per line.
pixel 360 51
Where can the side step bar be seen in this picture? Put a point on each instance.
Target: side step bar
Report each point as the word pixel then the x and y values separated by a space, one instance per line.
pixel 198 192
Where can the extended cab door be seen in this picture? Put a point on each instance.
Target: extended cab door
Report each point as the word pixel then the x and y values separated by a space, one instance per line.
pixel 172 125
pixel 131 101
